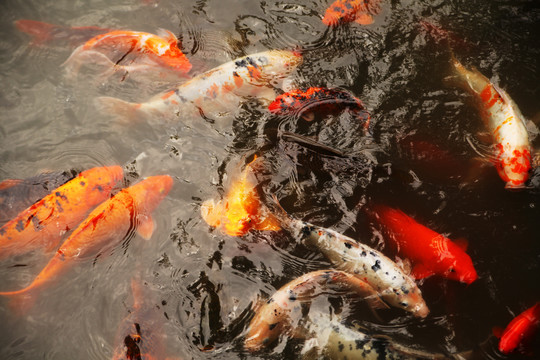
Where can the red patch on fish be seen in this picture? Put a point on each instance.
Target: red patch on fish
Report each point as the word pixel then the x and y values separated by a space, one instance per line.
pixel 360 11
pixel 520 331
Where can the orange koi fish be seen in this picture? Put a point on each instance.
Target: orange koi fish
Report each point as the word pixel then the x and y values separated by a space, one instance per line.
pixel 359 11
pixel 42 225
pixel 215 93
pixel 138 49
pixel 241 209
pixel 430 253
pixel 520 331
pixel 18 194
pixel 43 33
pixel 506 124
pixel 108 224
pixel 139 335
pixel 273 319
pixel 317 100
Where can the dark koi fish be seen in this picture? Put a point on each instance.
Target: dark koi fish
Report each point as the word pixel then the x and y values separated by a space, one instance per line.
pixel 108 224
pixel 322 101
pixel 519 332
pixel 273 319
pixel 42 225
pixel 429 252
pixel 43 33
pixel 359 11
pixel 18 194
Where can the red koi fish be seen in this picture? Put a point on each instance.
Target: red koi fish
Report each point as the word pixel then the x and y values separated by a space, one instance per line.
pixel 430 253
pixel 139 336
pixel 519 332
pixel 241 209
pixel 138 49
pixel 43 33
pixel 505 123
pixel 273 318
pixel 318 100
pixel 42 225
pixel 18 194
pixel 108 224
pixel 359 11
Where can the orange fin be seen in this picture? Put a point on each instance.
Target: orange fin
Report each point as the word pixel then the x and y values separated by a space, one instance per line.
pixel 364 19
pixel 6 184
pixel 497 331
pixel 121 110
pixel 167 35
pixel 210 212
pixel 146 227
pixel 462 243
pixel 420 271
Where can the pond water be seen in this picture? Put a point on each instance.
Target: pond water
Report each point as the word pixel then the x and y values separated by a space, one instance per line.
pixel 201 284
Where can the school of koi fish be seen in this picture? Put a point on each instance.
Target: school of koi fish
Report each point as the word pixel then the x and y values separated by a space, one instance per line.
pixel 72 218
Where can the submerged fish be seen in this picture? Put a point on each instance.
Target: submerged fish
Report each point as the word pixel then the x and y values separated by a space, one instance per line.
pixel 337 341
pixel 429 252
pixel 18 194
pixel 359 11
pixel 317 100
pixel 139 50
pixel 241 209
pixel 109 223
pixel 140 334
pixel 215 93
pixel 385 276
pixel 43 33
pixel 42 225
pixel 506 124
pixel 273 319
pixel 520 331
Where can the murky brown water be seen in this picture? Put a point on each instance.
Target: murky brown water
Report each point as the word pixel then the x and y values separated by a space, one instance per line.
pixel 202 284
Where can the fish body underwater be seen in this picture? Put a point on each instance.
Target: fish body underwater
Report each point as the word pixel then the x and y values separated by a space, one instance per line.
pixel 519 332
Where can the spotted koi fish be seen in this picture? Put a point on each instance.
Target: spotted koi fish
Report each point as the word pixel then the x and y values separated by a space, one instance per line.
pixel 340 342
pixel 274 318
pixel 322 101
pixel 429 252
pixel 109 223
pixel 18 194
pixel 506 124
pixel 44 33
pixel 385 276
pixel 139 50
pixel 520 331
pixel 359 11
pixel 139 335
pixel 42 225
pixel 215 93
pixel 241 209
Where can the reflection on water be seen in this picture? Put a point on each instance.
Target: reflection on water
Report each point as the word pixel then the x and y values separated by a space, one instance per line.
pixel 205 284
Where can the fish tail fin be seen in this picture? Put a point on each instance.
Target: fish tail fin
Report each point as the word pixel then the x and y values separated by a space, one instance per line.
pixel 281 214
pixel 41 32
pixel 122 111
pixel 83 57
pixel 20 302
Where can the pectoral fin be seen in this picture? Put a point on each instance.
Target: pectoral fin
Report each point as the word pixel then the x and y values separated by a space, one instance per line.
pixel 462 243
pixel 420 271
pixel 146 227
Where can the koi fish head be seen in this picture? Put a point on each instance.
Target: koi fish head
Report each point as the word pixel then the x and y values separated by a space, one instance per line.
pixel 148 193
pixel 513 165
pixel 268 66
pixel 100 180
pixel 456 264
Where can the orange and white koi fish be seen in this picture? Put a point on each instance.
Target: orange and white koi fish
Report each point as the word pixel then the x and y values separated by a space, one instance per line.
pixel 359 11
pixel 520 331
pixel 108 224
pixel 241 209
pixel 44 33
pixel 384 275
pixel 506 124
pixel 42 225
pixel 274 318
pixel 215 93
pixel 18 194
pixel 430 253
pixel 131 51
pixel 139 335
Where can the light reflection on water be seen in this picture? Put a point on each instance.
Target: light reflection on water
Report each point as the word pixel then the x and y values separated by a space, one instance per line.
pixel 207 282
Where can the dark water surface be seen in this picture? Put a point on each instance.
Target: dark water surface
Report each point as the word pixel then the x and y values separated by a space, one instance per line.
pixel 203 284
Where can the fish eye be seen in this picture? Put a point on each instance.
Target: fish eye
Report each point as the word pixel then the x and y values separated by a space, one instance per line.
pixel 452 270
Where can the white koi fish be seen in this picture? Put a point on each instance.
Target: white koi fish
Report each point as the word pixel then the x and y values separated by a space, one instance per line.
pixel 384 275
pixel 506 124
pixel 215 93
pixel 274 318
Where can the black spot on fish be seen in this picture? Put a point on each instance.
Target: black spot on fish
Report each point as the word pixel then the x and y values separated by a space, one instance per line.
pixel 251 62
pixel 348 245
pixel 292 296
pixel 403 303
pixel 60 208
pixel 360 343
pixel 272 326
pixel 241 63
pixel 404 289
pixel 20 226
pixel 377 265
pixel 82 183
pixel 271 300
pixel 372 253
pixel 341 347
pixel 363 253
pixel 99 187
pixel 2 231
pixel 380 348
